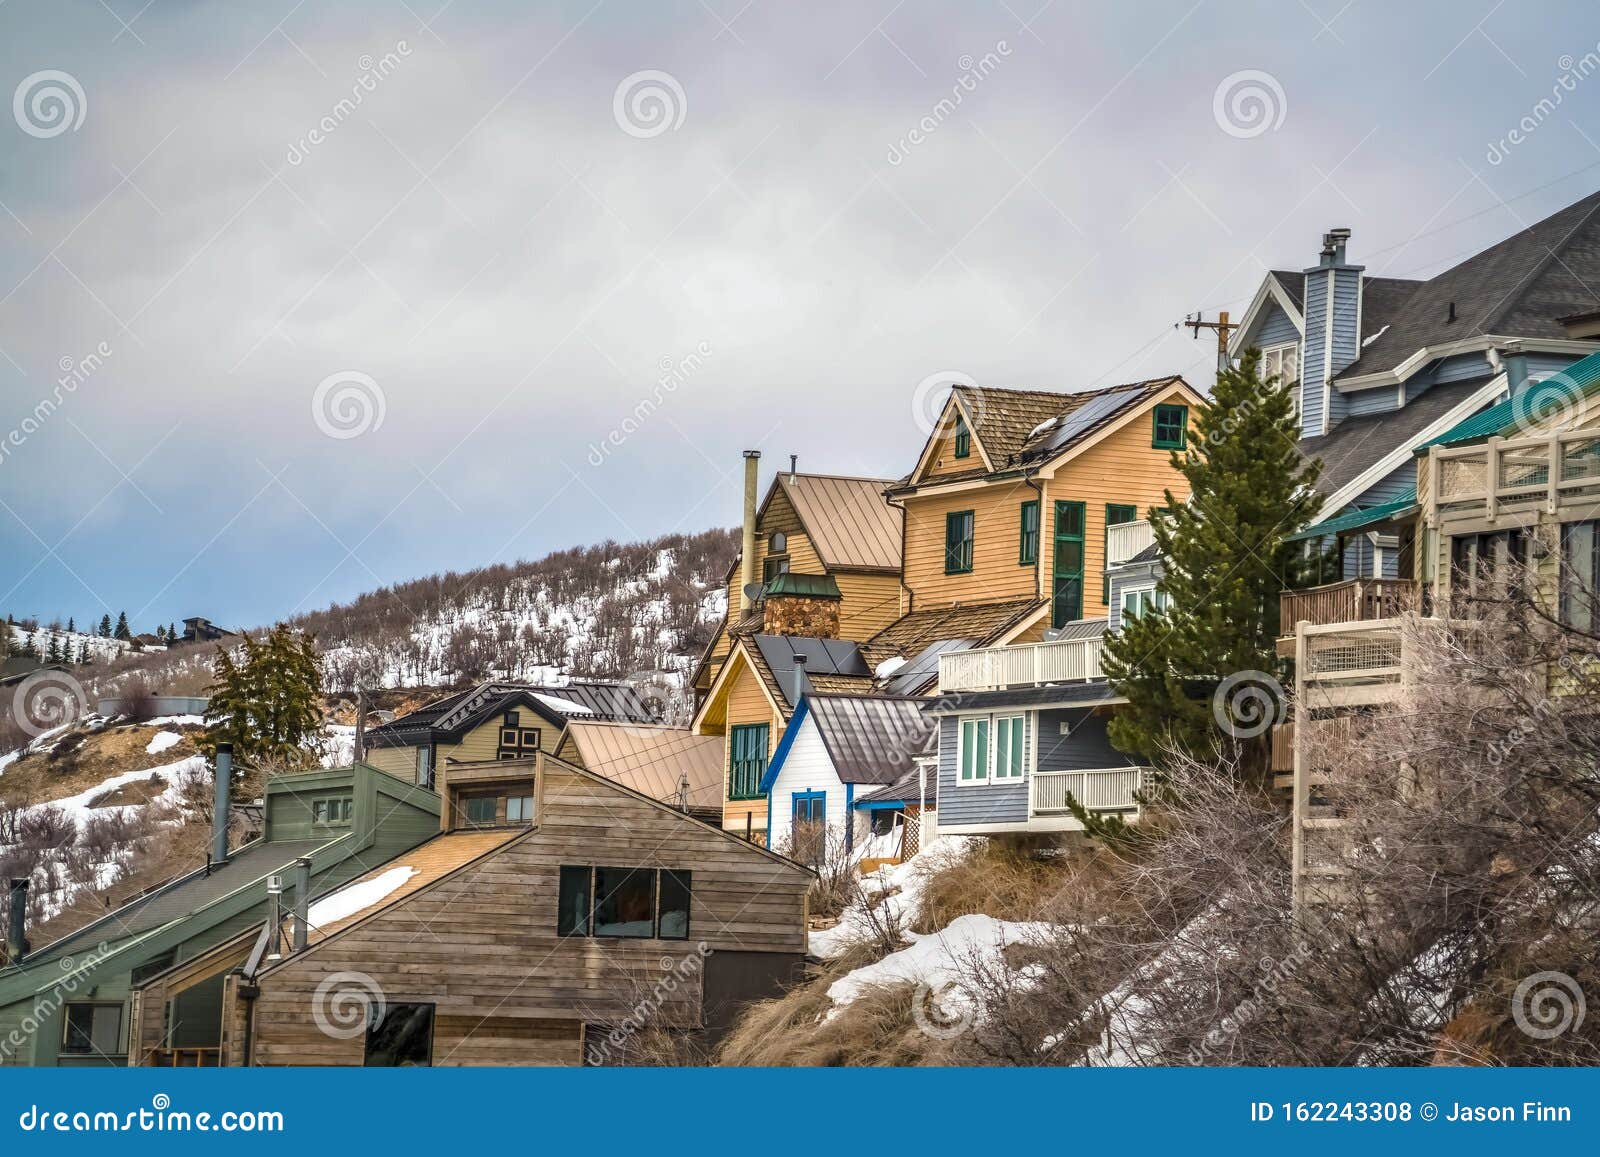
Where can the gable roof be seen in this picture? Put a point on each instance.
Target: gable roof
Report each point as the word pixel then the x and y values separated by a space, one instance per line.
pixel 870 739
pixel 1293 284
pixel 831 664
pixel 849 524
pixel 455 715
pixel 1519 287
pixel 652 759
pixel 1019 428
pixel 981 623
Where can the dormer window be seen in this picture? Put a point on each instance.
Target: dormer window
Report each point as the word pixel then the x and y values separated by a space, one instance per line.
pixel 963 438
pixel 1281 362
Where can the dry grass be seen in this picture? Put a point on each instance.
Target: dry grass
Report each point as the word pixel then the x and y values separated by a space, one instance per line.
pixel 84 760
pixel 1004 880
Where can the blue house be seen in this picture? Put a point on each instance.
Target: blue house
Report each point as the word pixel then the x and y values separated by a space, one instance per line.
pixel 1387 364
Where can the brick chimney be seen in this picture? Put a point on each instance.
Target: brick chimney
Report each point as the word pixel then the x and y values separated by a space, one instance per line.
pixel 801 604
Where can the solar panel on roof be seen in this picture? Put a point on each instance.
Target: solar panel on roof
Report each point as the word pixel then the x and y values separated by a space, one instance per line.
pixel 1088 415
pixel 924 665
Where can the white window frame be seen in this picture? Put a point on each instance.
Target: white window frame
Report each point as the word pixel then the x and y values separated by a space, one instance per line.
pixel 963 744
pixel 1144 598
pixel 1272 362
pixel 997 771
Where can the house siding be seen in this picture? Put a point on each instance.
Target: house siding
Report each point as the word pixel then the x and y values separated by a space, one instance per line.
pixel 1311 365
pixel 1143 575
pixel 1276 328
pixel 1088 748
pixel 807 767
pixel 983 803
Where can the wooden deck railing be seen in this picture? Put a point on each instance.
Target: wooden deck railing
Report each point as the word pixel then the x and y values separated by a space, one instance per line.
pixel 187 1058
pixel 1352 601
pixel 1127 539
pixel 1549 469
pixel 1102 789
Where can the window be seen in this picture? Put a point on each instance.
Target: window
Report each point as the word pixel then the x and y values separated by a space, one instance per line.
pixel 330 811
pixel 1171 427
pixel 1580 575
pixel 425 766
pixel 93 1030
pixel 963 438
pixel 1117 513
pixel 1487 566
pixel 572 909
pixel 519 809
pixel 884 819
pixel 1028 550
pixel 480 810
pixel 624 903
pixel 773 567
pixel 674 917
pixel 1140 602
pixel 958 542
pixel 516 741
pixel 399 1036
pixel 1067 573
pixel 1010 742
pixel 810 807
pixel 778 543
pixel 1281 362
pixel 747 760
pixel 972 753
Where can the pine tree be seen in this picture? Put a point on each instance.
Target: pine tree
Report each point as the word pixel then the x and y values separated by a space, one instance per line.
pixel 83 654
pixel 53 652
pixel 1225 562
pixel 161 632
pixel 122 631
pixel 72 625
pixel 105 627
pixel 267 703
pixel 32 650
pixel 172 631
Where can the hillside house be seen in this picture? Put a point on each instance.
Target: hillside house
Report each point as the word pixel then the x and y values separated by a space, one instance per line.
pixel 822 527
pixel 495 721
pixel 1385 365
pixel 527 942
pixel 75 1002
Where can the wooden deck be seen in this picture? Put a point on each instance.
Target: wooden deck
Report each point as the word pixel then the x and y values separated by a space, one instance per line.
pixel 1352 601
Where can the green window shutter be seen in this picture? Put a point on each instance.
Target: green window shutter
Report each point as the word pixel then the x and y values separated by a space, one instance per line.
pixel 1028 535
pixel 958 542
pixel 747 760
pixel 1171 427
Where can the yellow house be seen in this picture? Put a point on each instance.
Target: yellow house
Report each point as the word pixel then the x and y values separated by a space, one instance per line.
pixel 815 524
pixel 494 721
pixel 1016 491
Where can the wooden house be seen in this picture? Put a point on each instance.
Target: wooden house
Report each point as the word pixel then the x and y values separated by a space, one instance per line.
pixel 820 525
pixel 76 1001
pixel 532 941
pixel 671 764
pixel 495 721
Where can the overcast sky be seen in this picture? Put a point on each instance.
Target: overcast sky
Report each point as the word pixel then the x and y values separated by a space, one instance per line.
pixel 351 293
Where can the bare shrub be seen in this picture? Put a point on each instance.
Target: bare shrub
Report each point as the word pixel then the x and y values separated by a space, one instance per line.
pixel 44 828
pixel 138 699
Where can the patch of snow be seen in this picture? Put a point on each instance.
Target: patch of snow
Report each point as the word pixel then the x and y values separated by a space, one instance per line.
pixel 889 666
pixel 348 901
pixel 969 946
pixel 897 888
pixel 162 740
pixel 8 759
pixel 1366 341
pixel 178 721
pixel 565 706
pixel 1042 427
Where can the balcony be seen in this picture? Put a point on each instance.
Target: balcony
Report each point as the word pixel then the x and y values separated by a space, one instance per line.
pixel 1107 789
pixel 1352 601
pixel 1515 474
pixel 1352 664
pixel 1030 664
pixel 1127 539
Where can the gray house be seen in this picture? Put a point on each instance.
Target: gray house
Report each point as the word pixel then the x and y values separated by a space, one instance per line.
pixel 1386 364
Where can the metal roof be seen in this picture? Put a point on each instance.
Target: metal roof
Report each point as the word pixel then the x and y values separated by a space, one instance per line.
pixel 652 760
pixel 1356 519
pixel 872 738
pixel 822 657
pixel 1525 407
pixel 848 521
pixel 816 586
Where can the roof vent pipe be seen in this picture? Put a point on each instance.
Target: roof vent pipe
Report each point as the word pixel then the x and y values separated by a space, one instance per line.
pixel 274 917
pixel 17 928
pixel 221 803
pixel 747 557
pixel 302 902
pixel 794 462
pixel 799 678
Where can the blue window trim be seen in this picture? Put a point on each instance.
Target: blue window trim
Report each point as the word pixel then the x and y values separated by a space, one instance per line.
pixel 797 796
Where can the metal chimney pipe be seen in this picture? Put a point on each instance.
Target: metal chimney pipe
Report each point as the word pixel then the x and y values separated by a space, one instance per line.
pixel 221 803
pixel 361 724
pixel 17 929
pixel 747 559
pixel 799 678
pixel 794 462
pixel 302 902
pixel 275 917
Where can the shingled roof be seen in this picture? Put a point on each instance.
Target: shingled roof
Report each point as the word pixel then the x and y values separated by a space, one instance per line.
pixel 452 716
pixel 1520 287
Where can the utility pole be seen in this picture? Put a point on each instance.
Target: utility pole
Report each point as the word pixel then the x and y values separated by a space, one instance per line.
pixel 1224 328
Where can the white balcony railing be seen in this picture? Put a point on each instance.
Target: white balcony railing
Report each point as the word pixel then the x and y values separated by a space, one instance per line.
pixel 992 668
pixel 1127 539
pixel 1107 789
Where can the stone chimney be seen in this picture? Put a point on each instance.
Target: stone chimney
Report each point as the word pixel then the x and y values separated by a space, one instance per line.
pixel 1333 333
pixel 801 604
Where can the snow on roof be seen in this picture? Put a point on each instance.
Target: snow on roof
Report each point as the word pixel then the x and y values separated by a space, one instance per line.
pixel 889 666
pixel 362 894
pixel 565 706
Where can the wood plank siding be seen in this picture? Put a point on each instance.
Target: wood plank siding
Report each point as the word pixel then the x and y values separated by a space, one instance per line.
pixel 481 944
pixel 482 742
